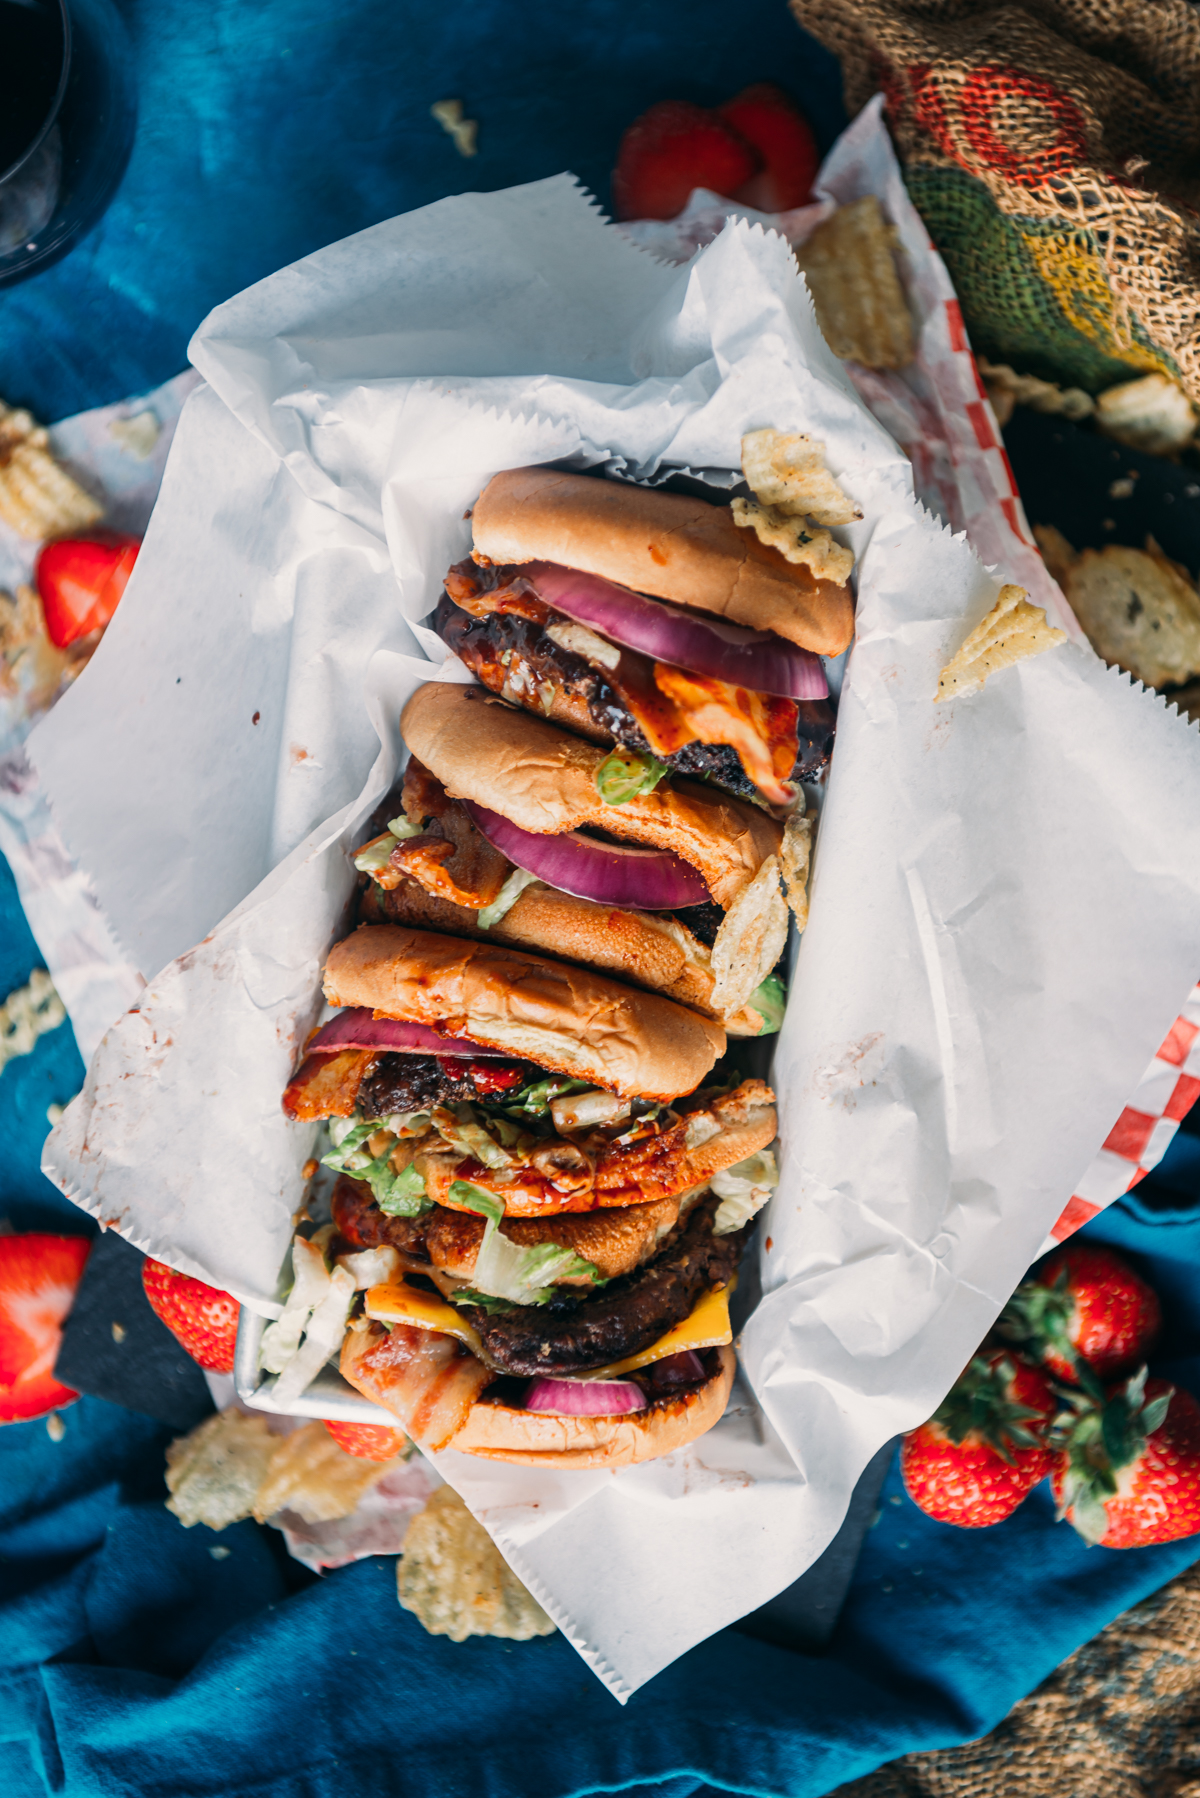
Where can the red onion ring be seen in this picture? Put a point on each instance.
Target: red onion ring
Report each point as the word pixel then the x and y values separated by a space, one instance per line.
pixel 585 1398
pixel 357 1028
pixel 756 659
pixel 609 873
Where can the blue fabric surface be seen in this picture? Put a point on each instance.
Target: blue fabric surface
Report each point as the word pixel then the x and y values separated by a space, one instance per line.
pixel 131 1660
pixel 267 130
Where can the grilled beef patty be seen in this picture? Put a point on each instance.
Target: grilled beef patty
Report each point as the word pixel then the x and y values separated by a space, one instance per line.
pixel 482 642
pixel 419 1082
pixel 365 1226
pixel 571 1335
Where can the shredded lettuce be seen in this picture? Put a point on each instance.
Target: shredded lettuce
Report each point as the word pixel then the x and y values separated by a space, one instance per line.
pixel 375 855
pixel 505 899
pixel 371 1267
pixel 467 1295
pixel 625 774
pixel 534 1100
pixel 402 1194
pixel 322 1338
pixel 460 1127
pixel 769 1001
pixel 526 1276
pixel 743 1191
pixel 310 1283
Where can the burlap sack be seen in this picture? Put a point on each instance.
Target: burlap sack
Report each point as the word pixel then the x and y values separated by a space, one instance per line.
pixel 1053 149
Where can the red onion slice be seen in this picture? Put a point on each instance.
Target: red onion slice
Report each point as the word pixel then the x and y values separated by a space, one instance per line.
pixel 585 1398
pixel 356 1028
pixel 756 659
pixel 609 873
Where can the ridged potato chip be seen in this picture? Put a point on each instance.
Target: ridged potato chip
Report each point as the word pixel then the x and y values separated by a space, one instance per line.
pixel 788 472
pixel 750 940
pixel 456 1582
pixel 1139 610
pixel 794 855
pixel 849 263
pixel 1152 414
pixel 38 498
pixel 795 538
pixel 1012 631
pixel 214 1473
pixel 310 1475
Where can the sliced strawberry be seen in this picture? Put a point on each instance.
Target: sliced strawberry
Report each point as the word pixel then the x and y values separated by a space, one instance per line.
pixel 201 1318
pixel 1084 1309
pixel 372 1441
pixel 1130 1472
pixel 982 1451
pixel 38 1279
pixel 80 580
pixel 766 118
pixel 670 150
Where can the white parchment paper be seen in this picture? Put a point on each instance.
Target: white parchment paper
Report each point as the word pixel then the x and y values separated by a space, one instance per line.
pixel 1006 892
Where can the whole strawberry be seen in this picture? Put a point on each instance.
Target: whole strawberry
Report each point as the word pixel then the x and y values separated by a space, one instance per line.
pixel 370 1441
pixel 1130 1473
pixel 201 1318
pixel 1084 1306
pixel 670 150
pixel 982 1450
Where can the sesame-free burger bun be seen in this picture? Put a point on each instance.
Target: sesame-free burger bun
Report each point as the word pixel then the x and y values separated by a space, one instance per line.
pixel 544 780
pixel 535 1439
pixel 566 1019
pixel 663 544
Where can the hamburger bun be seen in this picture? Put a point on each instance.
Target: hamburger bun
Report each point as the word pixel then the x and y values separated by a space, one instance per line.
pixel 544 781
pixel 654 952
pixel 566 1019
pixel 663 544
pixel 661 1167
pixel 534 1439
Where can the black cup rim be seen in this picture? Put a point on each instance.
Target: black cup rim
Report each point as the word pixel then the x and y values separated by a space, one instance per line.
pixel 55 105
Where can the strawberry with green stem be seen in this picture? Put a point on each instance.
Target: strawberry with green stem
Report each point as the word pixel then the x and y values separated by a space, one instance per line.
pixel 1130 1468
pixel 1084 1312
pixel 982 1451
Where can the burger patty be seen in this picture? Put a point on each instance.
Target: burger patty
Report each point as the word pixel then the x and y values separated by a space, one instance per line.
pixel 481 642
pixel 419 1082
pixel 571 1335
pixel 364 1226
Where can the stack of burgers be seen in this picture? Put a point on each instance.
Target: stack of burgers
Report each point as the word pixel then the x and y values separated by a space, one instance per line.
pixel 548 1152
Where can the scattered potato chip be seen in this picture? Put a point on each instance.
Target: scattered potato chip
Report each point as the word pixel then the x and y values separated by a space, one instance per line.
pixel 1139 610
pixel 750 940
pixel 794 856
pixel 1007 389
pixel 1012 631
pixel 29 662
pixel 214 1473
pixel 1152 414
pixel 310 1475
pixel 38 498
pixel 849 263
pixel 789 474
pixel 456 1582
pixel 796 539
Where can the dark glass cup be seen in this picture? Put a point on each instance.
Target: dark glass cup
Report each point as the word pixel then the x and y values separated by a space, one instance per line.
pixel 67 116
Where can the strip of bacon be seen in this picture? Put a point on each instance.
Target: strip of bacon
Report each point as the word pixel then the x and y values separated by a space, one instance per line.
pixel 428 1380
pixel 326 1086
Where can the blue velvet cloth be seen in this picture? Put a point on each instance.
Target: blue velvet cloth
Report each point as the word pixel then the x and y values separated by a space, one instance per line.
pixel 131 1660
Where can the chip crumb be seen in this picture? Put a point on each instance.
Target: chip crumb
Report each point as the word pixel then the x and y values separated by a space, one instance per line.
pixel 214 1473
pixel 1122 489
pixel 138 435
pixel 788 472
pixel 795 855
pixel 1006 389
pixel 795 538
pixel 849 263
pixel 455 1581
pixel 310 1475
pixel 119 1332
pixel 29 1012
pixel 465 132
pixel 56 1429
pixel 1152 413
pixel 1139 610
pixel 219 1552
pixel 38 498
pixel 750 940
pixel 1012 631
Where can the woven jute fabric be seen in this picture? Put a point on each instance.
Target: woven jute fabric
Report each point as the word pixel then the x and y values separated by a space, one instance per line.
pixel 1053 149
pixel 1119 1719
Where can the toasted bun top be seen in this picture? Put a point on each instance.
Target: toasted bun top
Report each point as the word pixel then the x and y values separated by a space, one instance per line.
pixel 566 1019
pixel 663 544
pixel 544 780
pixel 533 1439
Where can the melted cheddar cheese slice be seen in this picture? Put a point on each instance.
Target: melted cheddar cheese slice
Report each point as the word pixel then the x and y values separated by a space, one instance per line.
pixel 707 1327
pixel 405 1304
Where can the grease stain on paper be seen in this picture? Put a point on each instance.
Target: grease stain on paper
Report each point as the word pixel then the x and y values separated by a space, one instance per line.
pixel 840 1079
